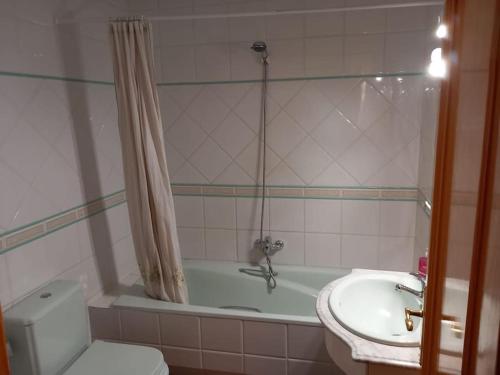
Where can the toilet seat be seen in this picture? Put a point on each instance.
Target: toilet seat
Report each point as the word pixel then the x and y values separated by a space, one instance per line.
pixel 106 358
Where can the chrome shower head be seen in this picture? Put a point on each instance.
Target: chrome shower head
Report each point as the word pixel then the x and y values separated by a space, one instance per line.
pixel 260 47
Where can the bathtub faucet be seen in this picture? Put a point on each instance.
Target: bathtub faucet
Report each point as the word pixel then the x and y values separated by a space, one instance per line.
pixel 267 245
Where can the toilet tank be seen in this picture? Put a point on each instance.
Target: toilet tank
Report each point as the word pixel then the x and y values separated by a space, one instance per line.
pixel 48 330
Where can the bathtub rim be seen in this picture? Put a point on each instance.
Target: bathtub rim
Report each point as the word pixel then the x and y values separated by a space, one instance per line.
pixel 145 303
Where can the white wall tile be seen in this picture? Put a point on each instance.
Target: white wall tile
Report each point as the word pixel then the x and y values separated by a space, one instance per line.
pixel 293 251
pixel 247 29
pixel 28 268
pixel 233 135
pixel 220 361
pixel 287 57
pixel 366 21
pixel 406 19
pixel 140 326
pixel 189 211
pixel 211 30
pixel 362 160
pixel 245 63
pixel 182 357
pixel 285 27
pixel 180 330
pixel 396 253
pixel 406 52
pixel 308 160
pixel 364 54
pixel 221 334
pixel 322 249
pixel 178 63
pixel 220 212
pixel 335 133
pixel 287 215
pixel 5 288
pixel 248 213
pixel 221 244
pixel 210 159
pixel 264 338
pixel 104 323
pixel 360 217
pixel 397 218
pixel 324 56
pixel 309 106
pixel 257 365
pixel 212 62
pixel 247 251
pixel 359 251
pixel 324 24
pixel 323 216
pixel 284 134
pixel 192 242
pixel 305 342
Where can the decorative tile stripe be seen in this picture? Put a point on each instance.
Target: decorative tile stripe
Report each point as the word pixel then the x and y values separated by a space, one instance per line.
pixel 310 192
pixel 38 229
pixel 20 236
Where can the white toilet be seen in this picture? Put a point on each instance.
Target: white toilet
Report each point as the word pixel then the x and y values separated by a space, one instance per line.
pixel 49 335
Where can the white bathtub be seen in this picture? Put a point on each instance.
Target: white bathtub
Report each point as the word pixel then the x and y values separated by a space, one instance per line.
pixel 271 332
pixel 221 289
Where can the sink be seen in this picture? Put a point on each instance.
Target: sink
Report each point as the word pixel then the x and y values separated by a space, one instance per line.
pixel 369 306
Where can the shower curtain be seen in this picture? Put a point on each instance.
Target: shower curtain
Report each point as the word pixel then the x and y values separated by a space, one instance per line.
pixel 147 184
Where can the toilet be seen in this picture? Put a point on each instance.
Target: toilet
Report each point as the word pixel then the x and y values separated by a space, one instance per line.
pixel 48 333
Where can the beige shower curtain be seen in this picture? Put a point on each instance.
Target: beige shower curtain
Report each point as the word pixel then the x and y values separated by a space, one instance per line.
pixel 147 184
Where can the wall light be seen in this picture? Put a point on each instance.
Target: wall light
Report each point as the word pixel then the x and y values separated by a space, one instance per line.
pixel 437 67
pixel 378 79
pixel 442 31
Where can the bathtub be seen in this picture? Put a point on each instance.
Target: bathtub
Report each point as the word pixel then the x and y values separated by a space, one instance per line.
pixel 239 290
pixel 233 323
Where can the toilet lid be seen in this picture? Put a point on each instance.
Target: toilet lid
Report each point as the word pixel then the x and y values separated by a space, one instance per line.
pixel 108 358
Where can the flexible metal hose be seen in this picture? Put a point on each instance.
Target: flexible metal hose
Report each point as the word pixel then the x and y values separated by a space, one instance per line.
pixel 270 277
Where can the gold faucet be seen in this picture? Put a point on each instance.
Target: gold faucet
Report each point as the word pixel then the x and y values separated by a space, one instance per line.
pixel 408 314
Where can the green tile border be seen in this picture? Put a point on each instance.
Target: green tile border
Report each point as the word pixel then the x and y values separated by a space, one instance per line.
pixel 196 83
pixel 54 78
pixel 25 234
pixel 298 192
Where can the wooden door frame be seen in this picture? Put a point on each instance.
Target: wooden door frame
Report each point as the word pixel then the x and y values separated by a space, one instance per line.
pixel 484 206
pixel 442 197
pixel 4 363
pixel 443 176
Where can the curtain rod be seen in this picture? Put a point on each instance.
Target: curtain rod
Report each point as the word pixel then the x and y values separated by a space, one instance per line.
pixel 257 14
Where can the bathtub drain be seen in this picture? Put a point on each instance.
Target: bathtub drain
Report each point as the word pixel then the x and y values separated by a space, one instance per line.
pixel 245 308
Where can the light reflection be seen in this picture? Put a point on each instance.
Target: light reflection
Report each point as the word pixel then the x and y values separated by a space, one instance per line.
pixel 437 67
pixel 442 31
pixel 378 79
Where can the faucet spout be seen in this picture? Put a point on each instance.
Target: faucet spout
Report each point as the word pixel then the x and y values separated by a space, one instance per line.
pixel 418 293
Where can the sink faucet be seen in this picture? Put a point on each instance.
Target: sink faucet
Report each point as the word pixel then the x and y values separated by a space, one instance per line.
pixel 418 293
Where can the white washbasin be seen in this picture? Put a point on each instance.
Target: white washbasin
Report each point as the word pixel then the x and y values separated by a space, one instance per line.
pixel 369 306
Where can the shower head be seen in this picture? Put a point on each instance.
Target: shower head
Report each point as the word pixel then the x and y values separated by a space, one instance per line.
pixel 260 47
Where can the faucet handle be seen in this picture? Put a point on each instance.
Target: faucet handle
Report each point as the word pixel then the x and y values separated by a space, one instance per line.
pixel 408 314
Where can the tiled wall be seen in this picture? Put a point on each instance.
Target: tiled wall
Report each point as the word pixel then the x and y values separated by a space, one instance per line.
pixel 369 41
pixel 428 133
pixel 317 232
pixel 346 131
pixel 59 147
pixel 333 132
pixel 232 345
